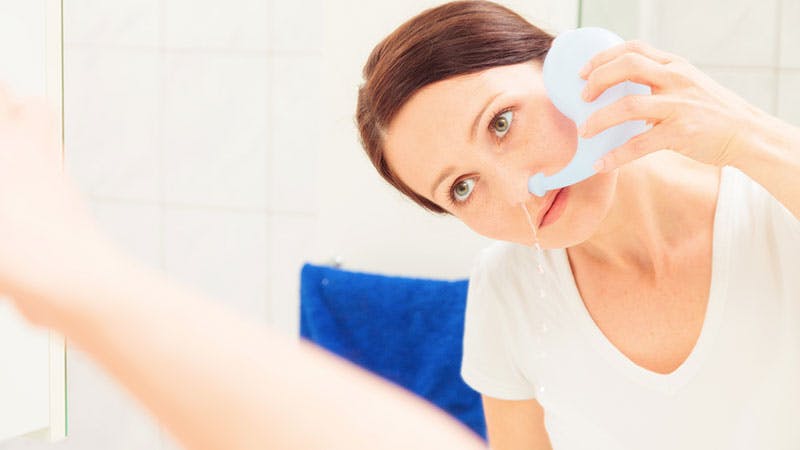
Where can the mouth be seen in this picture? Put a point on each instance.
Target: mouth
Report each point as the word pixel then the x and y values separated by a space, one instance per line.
pixel 546 208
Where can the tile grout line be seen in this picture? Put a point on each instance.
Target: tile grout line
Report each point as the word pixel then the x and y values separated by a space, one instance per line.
pixel 200 206
pixel 268 303
pixel 232 51
pixel 777 57
pixel 160 68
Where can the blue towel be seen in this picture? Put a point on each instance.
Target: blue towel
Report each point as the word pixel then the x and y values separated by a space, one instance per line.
pixel 406 330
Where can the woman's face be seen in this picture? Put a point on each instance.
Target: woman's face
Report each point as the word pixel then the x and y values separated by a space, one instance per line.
pixel 469 144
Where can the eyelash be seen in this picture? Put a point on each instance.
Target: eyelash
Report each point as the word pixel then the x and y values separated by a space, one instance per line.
pixel 496 116
pixel 450 197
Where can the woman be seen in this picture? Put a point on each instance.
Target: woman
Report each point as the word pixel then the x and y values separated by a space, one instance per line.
pixel 669 277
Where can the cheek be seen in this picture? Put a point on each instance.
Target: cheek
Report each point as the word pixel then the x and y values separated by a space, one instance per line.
pixel 499 221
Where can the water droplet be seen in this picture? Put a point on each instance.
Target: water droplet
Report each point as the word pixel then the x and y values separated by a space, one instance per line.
pixel 539 250
pixel 541 389
pixel 325 281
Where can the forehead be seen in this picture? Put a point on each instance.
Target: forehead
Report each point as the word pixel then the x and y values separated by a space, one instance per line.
pixel 461 96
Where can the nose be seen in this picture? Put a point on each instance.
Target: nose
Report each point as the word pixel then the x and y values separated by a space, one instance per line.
pixel 513 183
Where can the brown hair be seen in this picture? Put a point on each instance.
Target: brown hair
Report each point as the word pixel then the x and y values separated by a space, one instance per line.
pixel 453 39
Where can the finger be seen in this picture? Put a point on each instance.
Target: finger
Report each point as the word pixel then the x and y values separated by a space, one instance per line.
pixel 642 144
pixel 652 108
pixel 628 67
pixel 633 46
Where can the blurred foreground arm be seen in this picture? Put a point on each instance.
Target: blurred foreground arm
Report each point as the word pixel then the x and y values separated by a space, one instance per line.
pixel 214 380
pixel 218 382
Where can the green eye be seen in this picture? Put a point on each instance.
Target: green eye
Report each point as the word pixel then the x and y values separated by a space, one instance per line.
pixel 502 123
pixel 463 189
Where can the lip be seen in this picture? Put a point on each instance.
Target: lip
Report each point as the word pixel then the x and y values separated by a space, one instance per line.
pixel 546 207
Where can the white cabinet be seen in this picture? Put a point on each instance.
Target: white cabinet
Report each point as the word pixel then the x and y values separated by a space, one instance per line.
pixel 32 360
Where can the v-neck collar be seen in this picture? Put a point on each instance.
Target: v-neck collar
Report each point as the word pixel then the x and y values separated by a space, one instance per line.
pixel 667 383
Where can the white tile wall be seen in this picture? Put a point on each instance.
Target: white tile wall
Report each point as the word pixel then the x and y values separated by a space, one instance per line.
pixel 718 32
pixel 111 119
pixel 605 14
pixel 296 107
pixel 296 26
pixel 221 252
pixel 117 23
pixel 291 243
pixel 136 226
pixel 790 33
pixel 214 139
pixel 789 96
pixel 214 24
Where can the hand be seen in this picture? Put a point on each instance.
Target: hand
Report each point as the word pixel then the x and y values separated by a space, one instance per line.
pixel 47 236
pixel 690 113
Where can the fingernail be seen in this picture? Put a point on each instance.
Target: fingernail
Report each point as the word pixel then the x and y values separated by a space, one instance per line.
pixel 582 130
pixel 585 94
pixel 584 70
pixel 599 165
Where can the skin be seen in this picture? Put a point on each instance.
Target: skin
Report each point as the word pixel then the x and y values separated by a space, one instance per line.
pixel 260 389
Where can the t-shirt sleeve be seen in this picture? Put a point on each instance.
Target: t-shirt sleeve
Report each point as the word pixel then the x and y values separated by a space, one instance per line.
pixel 487 365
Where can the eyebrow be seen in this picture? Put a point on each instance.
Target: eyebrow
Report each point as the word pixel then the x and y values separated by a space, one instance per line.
pixel 477 120
pixel 442 176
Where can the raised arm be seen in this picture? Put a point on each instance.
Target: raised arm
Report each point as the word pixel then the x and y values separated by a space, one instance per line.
pixel 769 153
pixel 693 115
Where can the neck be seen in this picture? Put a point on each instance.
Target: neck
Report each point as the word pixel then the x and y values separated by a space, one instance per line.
pixel 662 206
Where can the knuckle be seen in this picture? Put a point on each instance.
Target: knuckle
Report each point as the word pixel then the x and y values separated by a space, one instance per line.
pixel 637 144
pixel 631 104
pixel 630 59
pixel 678 76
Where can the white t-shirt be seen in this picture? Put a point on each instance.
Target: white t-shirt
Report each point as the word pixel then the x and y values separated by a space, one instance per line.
pixel 739 387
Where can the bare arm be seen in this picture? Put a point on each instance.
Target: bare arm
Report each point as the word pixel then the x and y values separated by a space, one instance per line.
pixel 214 380
pixel 515 424
pixel 770 155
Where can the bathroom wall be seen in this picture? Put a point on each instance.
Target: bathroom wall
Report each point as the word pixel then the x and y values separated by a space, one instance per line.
pixel 750 47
